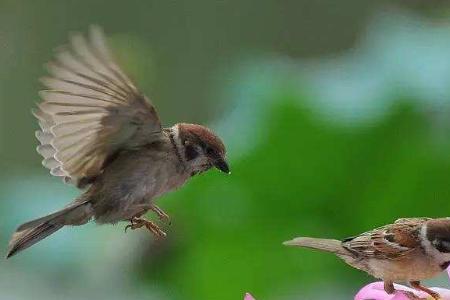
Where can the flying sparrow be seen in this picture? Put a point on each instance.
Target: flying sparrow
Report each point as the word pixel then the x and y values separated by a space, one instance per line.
pixel 101 134
pixel 411 249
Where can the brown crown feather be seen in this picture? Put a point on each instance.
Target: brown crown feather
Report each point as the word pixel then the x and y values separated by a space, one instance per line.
pixel 201 134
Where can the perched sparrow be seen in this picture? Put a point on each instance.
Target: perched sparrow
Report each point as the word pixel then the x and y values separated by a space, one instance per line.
pixel 411 249
pixel 100 132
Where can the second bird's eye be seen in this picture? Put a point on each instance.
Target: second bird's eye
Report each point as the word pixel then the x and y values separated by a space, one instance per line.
pixel 191 152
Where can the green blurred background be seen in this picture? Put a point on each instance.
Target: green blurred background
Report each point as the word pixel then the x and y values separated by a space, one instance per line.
pixel 336 116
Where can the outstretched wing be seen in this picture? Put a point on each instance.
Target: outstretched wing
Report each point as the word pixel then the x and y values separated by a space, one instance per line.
pixel 387 242
pixel 90 111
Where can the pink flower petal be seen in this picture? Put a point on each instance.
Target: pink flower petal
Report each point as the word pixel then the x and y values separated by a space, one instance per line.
pixel 371 291
pixel 375 291
pixel 248 297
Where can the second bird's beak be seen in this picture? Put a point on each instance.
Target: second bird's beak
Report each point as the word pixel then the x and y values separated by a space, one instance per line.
pixel 222 165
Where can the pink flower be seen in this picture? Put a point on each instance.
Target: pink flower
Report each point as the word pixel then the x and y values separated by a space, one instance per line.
pixel 248 297
pixel 375 291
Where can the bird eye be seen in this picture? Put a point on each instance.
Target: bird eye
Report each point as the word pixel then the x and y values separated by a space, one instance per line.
pixel 190 152
pixel 209 151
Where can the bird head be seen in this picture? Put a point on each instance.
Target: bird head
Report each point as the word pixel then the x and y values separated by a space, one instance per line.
pixel 200 148
pixel 437 235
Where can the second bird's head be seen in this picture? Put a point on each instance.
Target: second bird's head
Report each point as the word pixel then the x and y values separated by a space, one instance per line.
pixel 200 148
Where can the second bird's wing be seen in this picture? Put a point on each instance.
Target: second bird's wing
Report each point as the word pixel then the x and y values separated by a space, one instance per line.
pixel 90 111
pixel 387 242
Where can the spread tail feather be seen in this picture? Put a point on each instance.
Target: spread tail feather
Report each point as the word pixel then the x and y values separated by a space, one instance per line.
pixel 33 223
pixel 29 233
pixel 28 237
pixel 327 245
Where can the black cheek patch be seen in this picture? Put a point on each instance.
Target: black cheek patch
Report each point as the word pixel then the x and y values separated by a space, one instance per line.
pixel 190 153
pixel 442 246
pixel 445 265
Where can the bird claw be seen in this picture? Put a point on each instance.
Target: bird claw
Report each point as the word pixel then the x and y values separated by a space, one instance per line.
pixel 412 296
pixel 161 214
pixel 419 287
pixel 136 223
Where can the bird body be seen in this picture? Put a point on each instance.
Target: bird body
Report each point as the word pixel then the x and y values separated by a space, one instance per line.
pixel 416 267
pixel 131 182
pixel 409 250
pixel 101 134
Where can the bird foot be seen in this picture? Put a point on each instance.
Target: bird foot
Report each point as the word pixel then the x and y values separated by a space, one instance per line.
pixel 418 286
pixel 161 214
pixel 412 296
pixel 136 223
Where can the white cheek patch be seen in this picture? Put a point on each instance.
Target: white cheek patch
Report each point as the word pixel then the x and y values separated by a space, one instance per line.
pixel 176 137
pixel 199 162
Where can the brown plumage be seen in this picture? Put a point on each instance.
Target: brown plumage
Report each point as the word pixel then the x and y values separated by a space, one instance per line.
pixel 410 249
pixel 203 135
pixel 98 131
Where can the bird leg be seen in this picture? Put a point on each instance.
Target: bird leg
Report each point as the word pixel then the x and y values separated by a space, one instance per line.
pixel 136 223
pixel 418 286
pixel 161 214
pixel 411 296
pixel 389 287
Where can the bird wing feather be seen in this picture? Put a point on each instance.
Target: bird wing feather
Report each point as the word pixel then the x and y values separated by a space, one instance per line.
pixel 388 242
pixel 90 110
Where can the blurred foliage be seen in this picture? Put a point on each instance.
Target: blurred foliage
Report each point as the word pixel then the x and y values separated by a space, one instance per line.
pixel 320 143
pixel 335 183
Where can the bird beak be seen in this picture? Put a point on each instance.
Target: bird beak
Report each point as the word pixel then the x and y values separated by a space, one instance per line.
pixel 222 165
